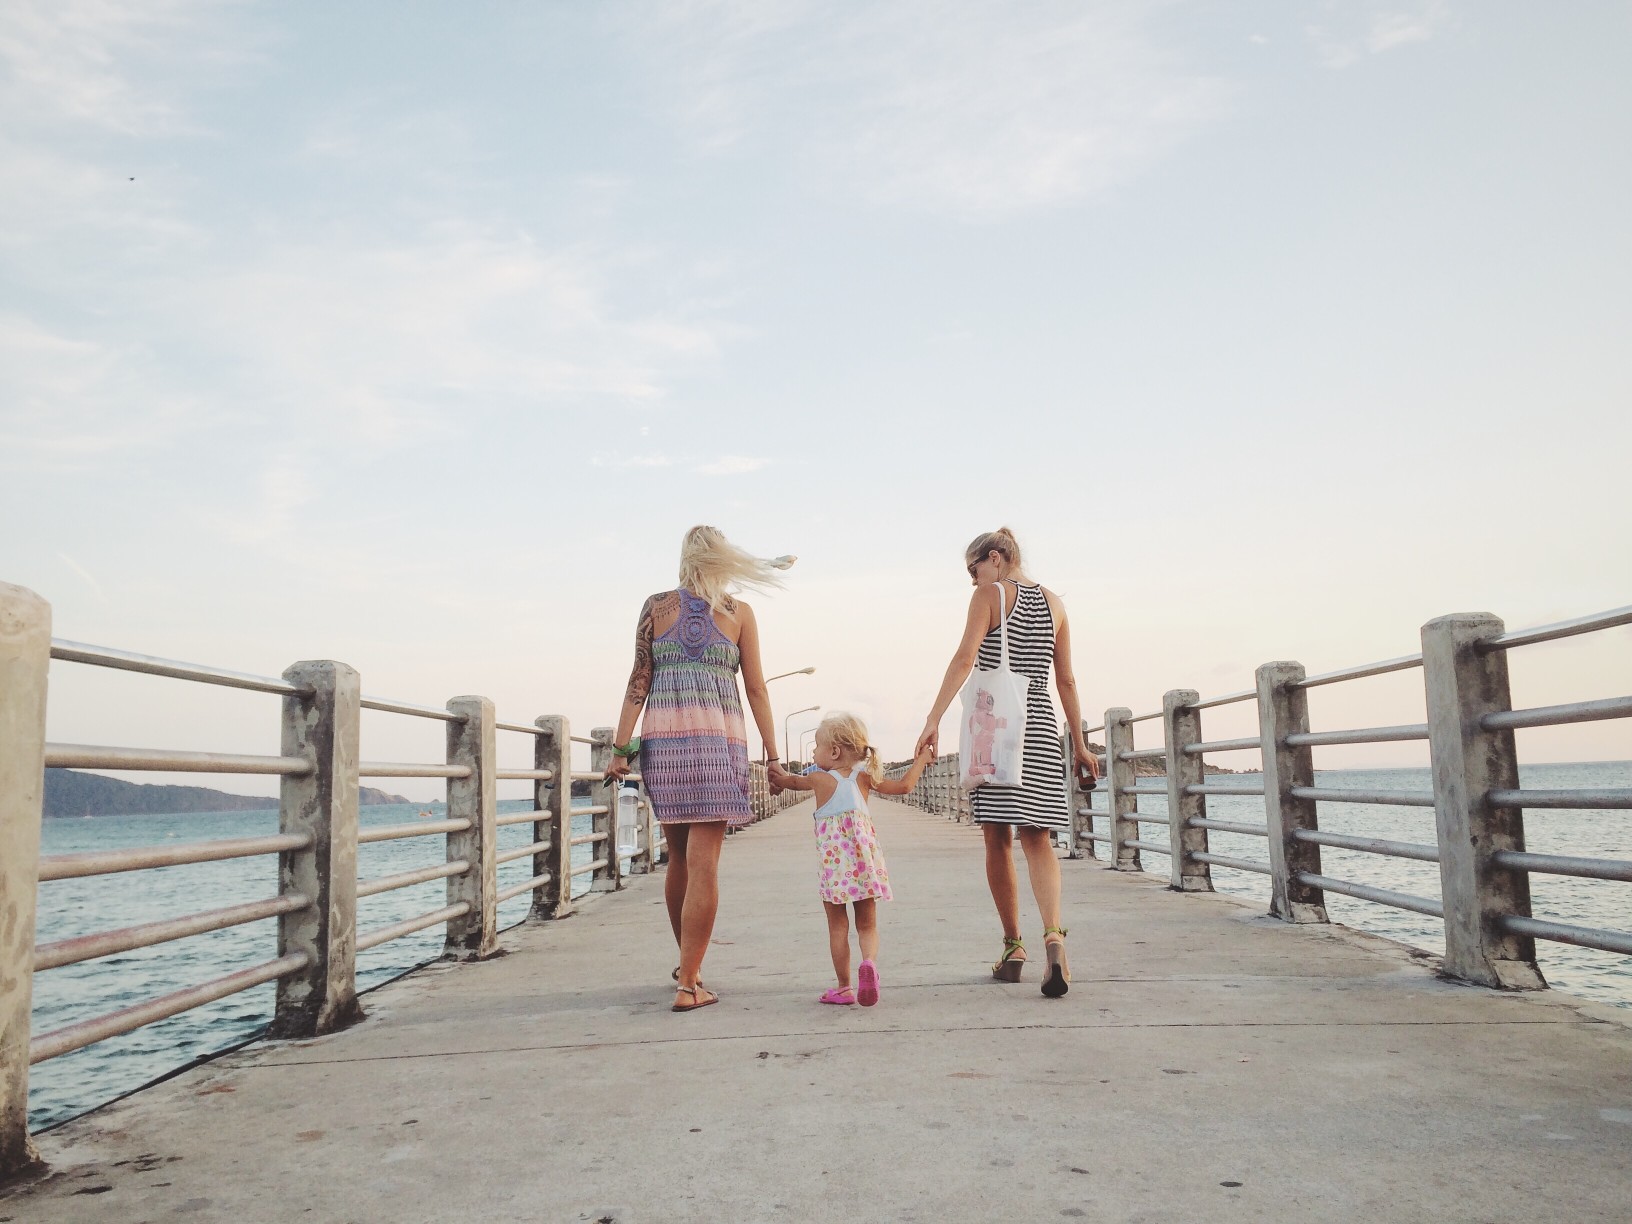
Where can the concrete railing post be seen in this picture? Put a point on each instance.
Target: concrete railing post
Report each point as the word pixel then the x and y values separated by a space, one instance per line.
pixel 473 936
pixel 25 659
pixel 1119 776
pixel 1078 800
pixel 321 726
pixel 1283 710
pixel 553 751
pixel 610 877
pixel 1181 725
pixel 1464 684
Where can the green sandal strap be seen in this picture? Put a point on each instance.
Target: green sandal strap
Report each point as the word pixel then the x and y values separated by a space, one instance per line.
pixel 1060 931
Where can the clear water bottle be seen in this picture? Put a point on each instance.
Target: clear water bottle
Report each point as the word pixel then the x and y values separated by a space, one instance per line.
pixel 628 819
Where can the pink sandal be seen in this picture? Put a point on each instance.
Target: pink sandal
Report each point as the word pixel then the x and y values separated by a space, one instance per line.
pixel 867 980
pixel 841 995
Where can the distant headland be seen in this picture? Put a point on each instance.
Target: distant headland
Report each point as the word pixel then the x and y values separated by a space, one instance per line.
pixel 69 792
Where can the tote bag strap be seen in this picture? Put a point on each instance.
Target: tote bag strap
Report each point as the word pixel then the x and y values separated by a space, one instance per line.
pixel 1003 626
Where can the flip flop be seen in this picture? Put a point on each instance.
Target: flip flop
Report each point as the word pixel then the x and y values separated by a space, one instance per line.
pixel 692 991
pixel 843 996
pixel 867 980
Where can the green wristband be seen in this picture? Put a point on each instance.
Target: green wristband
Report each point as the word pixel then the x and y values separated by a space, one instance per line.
pixel 632 748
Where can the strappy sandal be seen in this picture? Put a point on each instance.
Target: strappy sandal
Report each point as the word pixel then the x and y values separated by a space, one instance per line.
pixel 841 996
pixel 1058 979
pixel 1008 969
pixel 692 991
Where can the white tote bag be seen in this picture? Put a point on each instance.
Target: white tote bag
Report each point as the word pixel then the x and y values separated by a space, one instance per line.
pixel 992 734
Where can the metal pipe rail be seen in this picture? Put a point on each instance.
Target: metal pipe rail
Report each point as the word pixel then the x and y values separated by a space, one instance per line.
pixel 407 707
pixel 525 775
pixel 1228 826
pixel 1136 818
pixel 1365 735
pixel 140 858
pixel 1562 864
pixel 1380 896
pixel 1137 789
pixel 1244 744
pixel 1224 860
pixel 1326 794
pixel 1560 798
pixel 106 943
pixel 587 839
pixel 430 828
pixel 1142 754
pixel 125 660
pixel 1558 715
pixel 407 879
pixel 515 890
pixel 1560 932
pixel 597 865
pixel 88 1032
pixel 1227 699
pixel 521 727
pixel 92 756
pixel 1560 629
pixel 1139 844
pixel 385 934
pixel 1369 845
pixel 1211 788
pixel 389 769
pixel 515 818
pixel 1403 663
pixel 520 852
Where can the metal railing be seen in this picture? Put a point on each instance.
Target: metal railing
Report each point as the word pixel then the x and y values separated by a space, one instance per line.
pixel 316 908
pixel 1478 803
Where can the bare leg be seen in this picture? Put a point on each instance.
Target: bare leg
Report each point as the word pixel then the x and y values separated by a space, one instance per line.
pixel 1001 878
pixel 867 928
pixel 838 939
pixel 703 842
pixel 1044 868
pixel 674 877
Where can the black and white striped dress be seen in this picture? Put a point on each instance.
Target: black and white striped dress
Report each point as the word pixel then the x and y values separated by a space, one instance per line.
pixel 1040 803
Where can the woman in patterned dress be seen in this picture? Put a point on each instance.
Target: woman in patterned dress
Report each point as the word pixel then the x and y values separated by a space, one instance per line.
pixel 1039 636
pixel 693 749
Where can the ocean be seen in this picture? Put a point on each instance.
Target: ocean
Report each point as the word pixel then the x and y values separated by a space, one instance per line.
pixel 65 1087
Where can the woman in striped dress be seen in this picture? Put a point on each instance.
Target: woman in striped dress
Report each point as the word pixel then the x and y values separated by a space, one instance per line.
pixel 693 746
pixel 1039 637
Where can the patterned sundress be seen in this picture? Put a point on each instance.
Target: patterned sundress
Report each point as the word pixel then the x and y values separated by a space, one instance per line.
pixel 693 743
pixel 1040 803
pixel 852 864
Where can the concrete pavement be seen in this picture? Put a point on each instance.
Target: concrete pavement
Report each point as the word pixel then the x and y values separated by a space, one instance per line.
pixel 1209 1064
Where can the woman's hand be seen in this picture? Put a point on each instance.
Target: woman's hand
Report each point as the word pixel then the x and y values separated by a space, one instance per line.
pixel 617 770
pixel 929 737
pixel 777 777
pixel 1087 761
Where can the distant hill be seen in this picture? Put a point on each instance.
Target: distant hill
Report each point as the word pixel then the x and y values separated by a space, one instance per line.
pixel 68 792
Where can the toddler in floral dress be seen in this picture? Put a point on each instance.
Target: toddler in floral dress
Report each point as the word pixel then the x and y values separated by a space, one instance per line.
pixel 852 870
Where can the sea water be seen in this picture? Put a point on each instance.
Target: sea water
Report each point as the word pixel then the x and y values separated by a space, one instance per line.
pixel 64 1087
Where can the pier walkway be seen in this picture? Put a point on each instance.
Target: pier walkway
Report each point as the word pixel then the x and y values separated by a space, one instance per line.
pixel 1209 1064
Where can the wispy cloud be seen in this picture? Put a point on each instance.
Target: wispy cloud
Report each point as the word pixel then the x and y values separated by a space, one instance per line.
pixel 730 465
pixel 1349 33
pixel 90 578
pixel 977 110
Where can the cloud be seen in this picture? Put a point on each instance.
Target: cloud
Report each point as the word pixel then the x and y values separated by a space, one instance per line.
pixel 981 111
pixel 1354 32
pixel 730 465
pixel 90 578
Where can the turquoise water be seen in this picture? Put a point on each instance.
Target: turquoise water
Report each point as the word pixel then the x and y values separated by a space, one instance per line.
pixel 1589 833
pixel 64 1087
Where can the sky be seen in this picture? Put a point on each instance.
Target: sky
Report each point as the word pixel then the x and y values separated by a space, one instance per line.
pixel 416 335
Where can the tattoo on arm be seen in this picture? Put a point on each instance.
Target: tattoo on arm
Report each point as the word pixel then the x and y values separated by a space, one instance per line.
pixel 640 678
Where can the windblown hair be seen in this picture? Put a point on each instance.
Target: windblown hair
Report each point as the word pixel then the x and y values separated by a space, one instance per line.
pixel 1002 540
pixel 711 566
pixel 850 733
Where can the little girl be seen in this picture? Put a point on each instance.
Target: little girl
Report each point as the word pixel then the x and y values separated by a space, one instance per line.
pixel 852 865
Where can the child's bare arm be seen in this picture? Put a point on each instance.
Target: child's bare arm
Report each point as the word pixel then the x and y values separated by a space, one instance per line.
pixel 791 781
pixel 904 784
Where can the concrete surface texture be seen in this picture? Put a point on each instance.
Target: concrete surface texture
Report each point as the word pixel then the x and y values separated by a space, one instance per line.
pixel 1209 1063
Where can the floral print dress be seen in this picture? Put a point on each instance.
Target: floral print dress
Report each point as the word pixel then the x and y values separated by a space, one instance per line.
pixel 852 863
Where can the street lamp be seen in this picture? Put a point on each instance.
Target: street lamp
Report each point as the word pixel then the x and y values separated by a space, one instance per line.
pixel 785 723
pixel 802 755
pixel 803 671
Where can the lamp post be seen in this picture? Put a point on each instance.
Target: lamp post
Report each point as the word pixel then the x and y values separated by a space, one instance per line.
pixel 803 671
pixel 802 755
pixel 785 723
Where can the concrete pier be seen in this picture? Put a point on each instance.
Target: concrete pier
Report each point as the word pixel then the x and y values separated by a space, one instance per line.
pixel 1210 1063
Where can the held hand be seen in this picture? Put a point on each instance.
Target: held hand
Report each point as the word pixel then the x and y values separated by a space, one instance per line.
pixel 617 770
pixel 1087 762
pixel 929 738
pixel 926 754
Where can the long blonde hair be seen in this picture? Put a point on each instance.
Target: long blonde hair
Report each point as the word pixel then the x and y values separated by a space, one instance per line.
pixel 848 732
pixel 710 565
pixel 1001 541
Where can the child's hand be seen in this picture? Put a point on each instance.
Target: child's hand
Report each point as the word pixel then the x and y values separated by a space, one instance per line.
pixel 926 754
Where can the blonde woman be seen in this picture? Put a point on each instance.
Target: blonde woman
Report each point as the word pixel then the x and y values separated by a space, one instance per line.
pixel 693 747
pixel 1039 638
